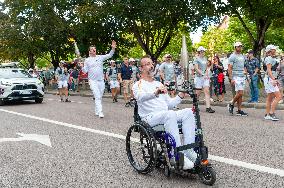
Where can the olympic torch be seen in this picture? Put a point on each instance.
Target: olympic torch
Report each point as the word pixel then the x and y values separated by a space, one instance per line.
pixel 184 59
pixel 77 52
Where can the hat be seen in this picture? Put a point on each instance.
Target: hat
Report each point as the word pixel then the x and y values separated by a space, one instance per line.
pixel 112 61
pixel 201 48
pixel 270 47
pixel 250 52
pixel 237 44
pixel 168 55
pixel 131 60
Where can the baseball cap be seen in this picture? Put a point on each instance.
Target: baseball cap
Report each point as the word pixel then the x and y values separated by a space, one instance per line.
pixel 168 55
pixel 250 52
pixel 237 44
pixel 112 61
pixel 201 48
pixel 270 47
pixel 132 60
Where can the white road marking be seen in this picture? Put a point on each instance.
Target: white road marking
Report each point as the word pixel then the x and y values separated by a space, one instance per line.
pixel 43 139
pixel 251 166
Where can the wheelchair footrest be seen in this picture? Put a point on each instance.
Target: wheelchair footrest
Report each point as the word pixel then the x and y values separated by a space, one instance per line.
pixel 180 162
pixel 186 147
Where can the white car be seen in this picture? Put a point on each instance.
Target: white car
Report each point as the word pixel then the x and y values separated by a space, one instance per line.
pixel 17 84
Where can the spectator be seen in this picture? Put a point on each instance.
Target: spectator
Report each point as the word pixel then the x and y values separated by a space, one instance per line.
pixel 167 72
pixel 281 75
pixel 112 78
pixel 237 71
pixel 62 77
pixel 202 79
pixel 157 72
pixel 125 77
pixel 252 65
pixel 218 79
pixel 75 79
pixel 271 83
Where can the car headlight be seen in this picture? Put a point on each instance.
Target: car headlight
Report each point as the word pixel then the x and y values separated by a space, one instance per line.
pixel 38 82
pixel 5 83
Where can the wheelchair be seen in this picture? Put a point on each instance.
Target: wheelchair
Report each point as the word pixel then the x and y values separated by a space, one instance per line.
pixel 152 147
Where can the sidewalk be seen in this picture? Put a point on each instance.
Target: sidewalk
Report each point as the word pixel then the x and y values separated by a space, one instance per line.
pixel 261 105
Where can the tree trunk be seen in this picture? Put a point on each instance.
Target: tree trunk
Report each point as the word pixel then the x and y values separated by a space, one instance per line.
pixel 31 59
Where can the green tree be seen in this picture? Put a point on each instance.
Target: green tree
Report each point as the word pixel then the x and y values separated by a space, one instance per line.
pixel 153 23
pixel 262 14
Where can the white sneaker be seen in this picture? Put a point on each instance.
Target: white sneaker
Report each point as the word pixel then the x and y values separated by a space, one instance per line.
pixel 97 113
pixel 267 117
pixel 188 164
pixel 211 100
pixel 101 115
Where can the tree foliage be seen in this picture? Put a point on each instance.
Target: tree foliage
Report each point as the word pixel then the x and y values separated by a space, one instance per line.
pixel 262 14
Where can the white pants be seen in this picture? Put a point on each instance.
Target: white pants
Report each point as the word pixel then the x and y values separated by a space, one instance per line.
pixel 170 118
pixel 97 87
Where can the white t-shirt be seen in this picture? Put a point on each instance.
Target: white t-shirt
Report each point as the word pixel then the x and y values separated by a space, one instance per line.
pixel 147 101
pixel 94 66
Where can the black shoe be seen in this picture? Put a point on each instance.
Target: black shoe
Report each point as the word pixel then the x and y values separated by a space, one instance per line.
pixel 61 100
pixel 231 108
pixel 67 100
pixel 273 117
pixel 127 104
pixel 210 110
pixel 113 101
pixel 241 113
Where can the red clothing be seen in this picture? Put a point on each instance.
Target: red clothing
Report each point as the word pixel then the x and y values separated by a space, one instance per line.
pixel 83 76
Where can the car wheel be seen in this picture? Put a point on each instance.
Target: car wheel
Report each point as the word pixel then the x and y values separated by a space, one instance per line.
pixel 2 102
pixel 38 100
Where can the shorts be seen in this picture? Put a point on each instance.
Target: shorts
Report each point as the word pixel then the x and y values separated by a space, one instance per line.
pixel 171 86
pixel 269 88
pixel 62 84
pixel 127 86
pixel 201 82
pixel 240 83
pixel 113 84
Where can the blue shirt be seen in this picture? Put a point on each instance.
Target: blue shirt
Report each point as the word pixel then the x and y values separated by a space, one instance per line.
pixel 251 65
pixel 126 72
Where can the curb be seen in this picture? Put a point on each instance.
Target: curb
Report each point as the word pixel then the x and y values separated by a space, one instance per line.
pixel 188 101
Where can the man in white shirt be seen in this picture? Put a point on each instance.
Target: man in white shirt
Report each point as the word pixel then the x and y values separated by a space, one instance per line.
pixel 94 67
pixel 155 107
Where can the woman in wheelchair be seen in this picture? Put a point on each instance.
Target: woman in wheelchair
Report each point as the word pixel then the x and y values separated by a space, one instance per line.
pixel 155 107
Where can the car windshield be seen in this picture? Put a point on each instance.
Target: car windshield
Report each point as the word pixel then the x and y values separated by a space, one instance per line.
pixel 14 73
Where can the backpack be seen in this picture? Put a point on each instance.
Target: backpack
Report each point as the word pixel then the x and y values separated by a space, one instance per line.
pixel 273 68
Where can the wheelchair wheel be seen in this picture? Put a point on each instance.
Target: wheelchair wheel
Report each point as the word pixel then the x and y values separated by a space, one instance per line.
pixel 141 148
pixel 207 175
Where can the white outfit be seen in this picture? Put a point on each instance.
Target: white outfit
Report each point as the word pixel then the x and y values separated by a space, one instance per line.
pixel 240 83
pixel 114 84
pixel 268 85
pixel 157 110
pixel 94 67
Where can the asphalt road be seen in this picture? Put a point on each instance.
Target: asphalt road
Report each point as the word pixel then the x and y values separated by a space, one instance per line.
pixel 89 152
